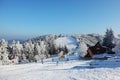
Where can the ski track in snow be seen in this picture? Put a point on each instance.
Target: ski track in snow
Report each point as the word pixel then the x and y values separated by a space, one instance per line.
pixel 71 70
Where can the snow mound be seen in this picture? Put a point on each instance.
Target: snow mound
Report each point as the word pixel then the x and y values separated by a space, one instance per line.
pixel 69 42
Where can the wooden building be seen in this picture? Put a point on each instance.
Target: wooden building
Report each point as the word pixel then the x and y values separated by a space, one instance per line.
pixel 97 49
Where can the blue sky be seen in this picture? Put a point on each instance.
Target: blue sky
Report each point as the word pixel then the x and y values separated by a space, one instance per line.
pixel 30 18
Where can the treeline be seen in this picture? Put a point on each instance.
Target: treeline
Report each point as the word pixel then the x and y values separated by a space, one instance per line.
pixel 42 47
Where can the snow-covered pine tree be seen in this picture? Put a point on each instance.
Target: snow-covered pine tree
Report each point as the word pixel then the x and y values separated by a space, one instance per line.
pixel 65 49
pixel 108 39
pixel 52 49
pixel 37 49
pixel 28 50
pixel 40 51
pixel 15 51
pixel 82 49
pixel 3 52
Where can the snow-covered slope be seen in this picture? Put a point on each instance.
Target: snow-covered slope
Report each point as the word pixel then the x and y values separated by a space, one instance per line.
pixel 71 70
pixel 69 42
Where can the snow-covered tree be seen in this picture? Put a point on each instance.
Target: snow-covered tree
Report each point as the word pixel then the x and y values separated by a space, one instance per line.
pixel 40 51
pixel 37 52
pixel 82 49
pixel 3 52
pixel 15 51
pixel 66 50
pixel 52 49
pixel 116 49
pixel 108 39
pixel 28 50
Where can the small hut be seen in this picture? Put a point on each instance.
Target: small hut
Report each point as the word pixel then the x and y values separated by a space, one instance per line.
pixel 97 49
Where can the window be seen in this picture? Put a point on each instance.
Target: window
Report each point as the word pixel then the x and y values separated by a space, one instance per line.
pixel 97 48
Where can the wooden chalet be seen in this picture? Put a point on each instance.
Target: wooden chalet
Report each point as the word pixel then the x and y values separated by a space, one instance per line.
pixel 97 49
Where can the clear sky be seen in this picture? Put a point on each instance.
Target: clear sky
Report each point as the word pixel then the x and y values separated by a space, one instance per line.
pixel 29 18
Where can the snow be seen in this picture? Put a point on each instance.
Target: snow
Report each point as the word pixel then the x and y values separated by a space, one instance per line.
pixel 82 50
pixel 70 42
pixel 103 55
pixel 71 70
pixel 117 36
